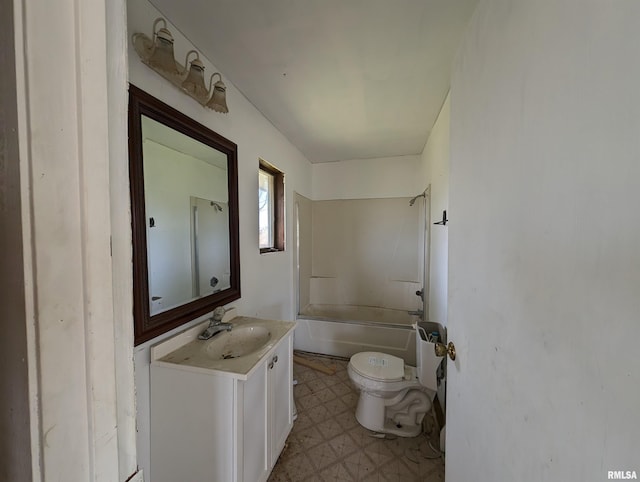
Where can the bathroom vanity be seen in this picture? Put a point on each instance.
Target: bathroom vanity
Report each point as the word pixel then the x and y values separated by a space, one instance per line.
pixel 221 409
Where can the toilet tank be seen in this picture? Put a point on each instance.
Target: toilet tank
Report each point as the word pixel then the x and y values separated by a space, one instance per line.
pixel 426 360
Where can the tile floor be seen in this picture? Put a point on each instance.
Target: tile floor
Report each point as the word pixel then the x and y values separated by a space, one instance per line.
pixel 327 443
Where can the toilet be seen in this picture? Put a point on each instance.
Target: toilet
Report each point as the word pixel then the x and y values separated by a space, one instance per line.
pixel 394 397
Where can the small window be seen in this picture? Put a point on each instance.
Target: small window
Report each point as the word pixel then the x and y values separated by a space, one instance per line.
pixel 270 208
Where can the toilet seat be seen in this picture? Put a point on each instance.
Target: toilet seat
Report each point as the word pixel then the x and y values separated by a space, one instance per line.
pixel 380 367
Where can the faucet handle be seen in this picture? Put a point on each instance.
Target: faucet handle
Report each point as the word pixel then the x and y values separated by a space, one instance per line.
pixel 218 313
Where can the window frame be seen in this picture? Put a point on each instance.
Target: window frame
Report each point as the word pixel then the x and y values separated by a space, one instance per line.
pixel 278 207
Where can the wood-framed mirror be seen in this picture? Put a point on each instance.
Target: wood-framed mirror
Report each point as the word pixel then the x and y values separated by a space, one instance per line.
pixel 184 217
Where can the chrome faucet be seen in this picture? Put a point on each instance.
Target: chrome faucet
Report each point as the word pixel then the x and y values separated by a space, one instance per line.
pixel 416 313
pixel 215 324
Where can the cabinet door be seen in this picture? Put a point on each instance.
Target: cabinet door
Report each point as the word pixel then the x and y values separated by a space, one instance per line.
pixel 281 396
pixel 255 461
pixel 192 433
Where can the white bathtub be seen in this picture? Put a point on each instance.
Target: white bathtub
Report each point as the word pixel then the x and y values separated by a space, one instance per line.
pixel 345 330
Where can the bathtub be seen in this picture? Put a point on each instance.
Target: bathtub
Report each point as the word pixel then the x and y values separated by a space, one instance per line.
pixel 344 330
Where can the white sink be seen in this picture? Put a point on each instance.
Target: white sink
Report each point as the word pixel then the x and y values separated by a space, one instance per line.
pixel 240 341
pixel 232 353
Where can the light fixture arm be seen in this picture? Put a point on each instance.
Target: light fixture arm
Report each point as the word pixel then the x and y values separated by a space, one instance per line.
pixel 186 60
pixel 211 81
pixel 164 25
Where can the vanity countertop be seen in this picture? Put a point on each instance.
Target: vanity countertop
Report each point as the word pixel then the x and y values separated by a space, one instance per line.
pixel 186 351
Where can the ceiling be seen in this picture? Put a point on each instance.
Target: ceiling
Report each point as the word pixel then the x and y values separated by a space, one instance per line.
pixel 341 79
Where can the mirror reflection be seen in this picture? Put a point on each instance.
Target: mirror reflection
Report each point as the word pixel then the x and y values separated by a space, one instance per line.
pixel 187 217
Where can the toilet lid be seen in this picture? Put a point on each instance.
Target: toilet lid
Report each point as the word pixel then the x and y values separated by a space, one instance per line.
pixel 378 366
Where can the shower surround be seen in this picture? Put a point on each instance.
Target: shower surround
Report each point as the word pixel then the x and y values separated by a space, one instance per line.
pixel 360 263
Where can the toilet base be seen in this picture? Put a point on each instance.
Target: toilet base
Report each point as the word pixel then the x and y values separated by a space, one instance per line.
pixel 371 413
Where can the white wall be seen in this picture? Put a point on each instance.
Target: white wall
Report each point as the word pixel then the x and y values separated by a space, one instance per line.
pixel 367 178
pixel 434 168
pixel 545 243
pixel 266 280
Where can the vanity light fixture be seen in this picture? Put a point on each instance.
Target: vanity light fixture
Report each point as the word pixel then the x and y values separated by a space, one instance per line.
pixel 157 53
pixel 218 101
pixel 193 84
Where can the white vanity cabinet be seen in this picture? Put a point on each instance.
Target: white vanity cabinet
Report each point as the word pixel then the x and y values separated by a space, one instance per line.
pixel 214 425
pixel 267 401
